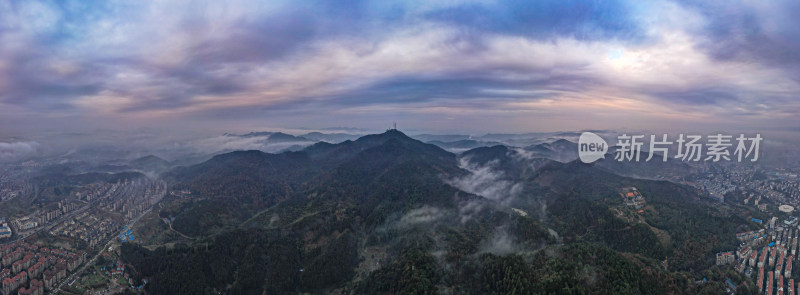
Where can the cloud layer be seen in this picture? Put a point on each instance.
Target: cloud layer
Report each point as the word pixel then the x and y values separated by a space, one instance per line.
pixel 19 150
pixel 486 181
pixel 514 65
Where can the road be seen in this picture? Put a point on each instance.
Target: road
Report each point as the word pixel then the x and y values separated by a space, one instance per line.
pixel 177 232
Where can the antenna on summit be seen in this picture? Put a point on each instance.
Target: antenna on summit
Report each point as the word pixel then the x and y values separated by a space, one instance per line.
pixel 395 125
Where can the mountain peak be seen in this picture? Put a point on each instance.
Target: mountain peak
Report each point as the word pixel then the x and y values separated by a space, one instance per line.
pixel 395 132
pixel 389 134
pixel 251 134
pixel 283 137
pixel 345 150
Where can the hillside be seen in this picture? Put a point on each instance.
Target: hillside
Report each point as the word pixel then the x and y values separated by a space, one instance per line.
pixel 355 216
pixel 150 163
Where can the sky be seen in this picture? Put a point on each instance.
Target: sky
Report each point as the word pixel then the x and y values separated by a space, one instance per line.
pixel 436 66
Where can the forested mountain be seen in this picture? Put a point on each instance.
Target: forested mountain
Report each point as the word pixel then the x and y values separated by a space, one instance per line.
pixel 561 150
pixel 283 137
pixel 389 214
pixel 462 145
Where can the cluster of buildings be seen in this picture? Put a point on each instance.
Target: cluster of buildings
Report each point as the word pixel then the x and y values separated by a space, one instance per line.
pixel 759 186
pixel 94 228
pixel 632 197
pixel 26 223
pixel 756 200
pixel 29 269
pixel 717 189
pixel 726 258
pixel 64 206
pixel 117 268
pixel 111 204
pixel 94 214
pixel 779 188
pixel 45 216
pixel 11 188
pixel 769 252
pixel 789 188
pixel 766 189
pixel 93 191
pixel 5 230
pixel 718 179
pixel 133 196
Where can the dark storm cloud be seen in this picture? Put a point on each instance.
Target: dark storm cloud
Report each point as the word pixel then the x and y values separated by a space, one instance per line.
pixel 761 31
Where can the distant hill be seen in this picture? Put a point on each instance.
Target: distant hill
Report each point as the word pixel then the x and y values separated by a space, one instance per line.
pixel 653 169
pixel 442 137
pixel 561 150
pixel 254 175
pixel 150 163
pixel 462 145
pixel 330 137
pixel 252 134
pixel 283 137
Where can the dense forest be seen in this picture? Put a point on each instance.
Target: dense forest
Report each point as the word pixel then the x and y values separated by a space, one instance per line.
pixel 382 215
pixel 244 262
pixel 256 262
